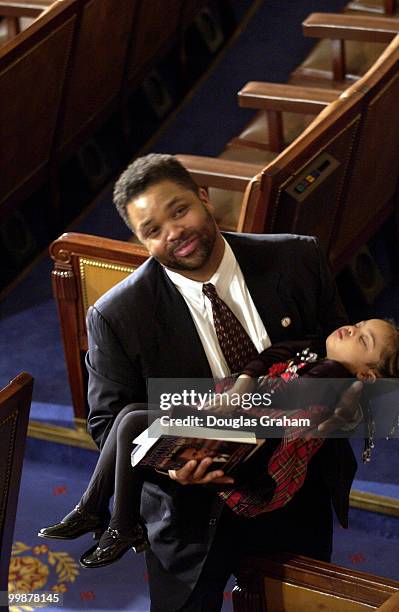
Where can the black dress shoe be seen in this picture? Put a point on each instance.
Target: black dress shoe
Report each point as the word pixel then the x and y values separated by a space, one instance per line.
pixel 75 524
pixel 112 546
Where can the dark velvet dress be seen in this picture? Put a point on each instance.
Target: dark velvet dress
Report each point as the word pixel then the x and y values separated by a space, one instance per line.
pixel 279 468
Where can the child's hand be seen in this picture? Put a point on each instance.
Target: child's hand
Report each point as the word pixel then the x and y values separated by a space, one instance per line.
pixel 347 414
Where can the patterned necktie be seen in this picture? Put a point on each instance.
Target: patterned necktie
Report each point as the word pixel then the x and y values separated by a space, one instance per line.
pixel 237 347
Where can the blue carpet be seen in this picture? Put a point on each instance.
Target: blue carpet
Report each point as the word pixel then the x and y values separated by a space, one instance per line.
pixel 46 495
pixel 50 489
pixel 383 466
pixel 363 549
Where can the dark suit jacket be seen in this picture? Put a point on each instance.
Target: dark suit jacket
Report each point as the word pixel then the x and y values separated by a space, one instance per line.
pixel 142 329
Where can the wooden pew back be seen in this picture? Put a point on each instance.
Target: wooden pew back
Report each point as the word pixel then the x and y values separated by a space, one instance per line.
pixel 152 39
pixel 383 7
pixel 13 12
pixel 97 67
pixel 15 401
pixel 370 191
pixel 32 72
pixel 353 146
pixel 117 44
pixel 85 267
pixel 290 583
pixel 301 189
pixel 66 73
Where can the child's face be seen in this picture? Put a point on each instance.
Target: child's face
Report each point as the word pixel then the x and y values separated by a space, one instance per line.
pixel 359 346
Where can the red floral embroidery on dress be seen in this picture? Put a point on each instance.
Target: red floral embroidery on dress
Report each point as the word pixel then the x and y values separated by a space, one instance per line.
pixel 277 368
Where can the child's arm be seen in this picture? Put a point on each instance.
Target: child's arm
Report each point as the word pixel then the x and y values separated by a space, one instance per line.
pixel 281 352
pixel 246 382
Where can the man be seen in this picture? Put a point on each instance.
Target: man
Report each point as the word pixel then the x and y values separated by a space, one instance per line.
pixel 159 323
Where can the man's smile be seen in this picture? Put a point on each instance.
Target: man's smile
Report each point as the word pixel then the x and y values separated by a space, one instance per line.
pixel 187 247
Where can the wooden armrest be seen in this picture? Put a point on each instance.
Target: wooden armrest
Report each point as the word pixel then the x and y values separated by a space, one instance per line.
pixel 350 27
pixel 288 98
pixel 95 246
pixel 307 577
pixel 391 604
pixel 24 8
pixel 219 173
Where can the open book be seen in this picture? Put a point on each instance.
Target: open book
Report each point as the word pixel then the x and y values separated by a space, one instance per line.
pixel 164 448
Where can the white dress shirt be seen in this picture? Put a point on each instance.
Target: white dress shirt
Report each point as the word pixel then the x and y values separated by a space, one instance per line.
pixel 231 288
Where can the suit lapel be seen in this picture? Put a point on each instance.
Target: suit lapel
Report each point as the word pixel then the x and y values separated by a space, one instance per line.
pixel 268 289
pixel 180 351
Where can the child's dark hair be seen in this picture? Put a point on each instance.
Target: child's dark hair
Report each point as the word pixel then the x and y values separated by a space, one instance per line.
pixel 388 365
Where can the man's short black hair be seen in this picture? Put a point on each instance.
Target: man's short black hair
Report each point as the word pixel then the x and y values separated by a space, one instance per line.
pixel 146 171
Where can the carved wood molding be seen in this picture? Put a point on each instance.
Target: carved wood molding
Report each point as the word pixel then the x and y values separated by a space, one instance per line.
pixel 245 601
pixel 248 594
pixel 64 283
pixel 59 254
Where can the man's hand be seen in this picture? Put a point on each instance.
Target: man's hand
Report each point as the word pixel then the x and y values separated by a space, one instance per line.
pixel 194 473
pixel 347 414
pixel 229 401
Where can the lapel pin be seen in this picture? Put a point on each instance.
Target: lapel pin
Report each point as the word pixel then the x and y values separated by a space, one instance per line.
pixel 285 321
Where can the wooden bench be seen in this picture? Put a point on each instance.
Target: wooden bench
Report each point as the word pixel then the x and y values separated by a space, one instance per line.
pixel 376 7
pixel 66 74
pixel 285 200
pixel 32 73
pixel 301 98
pixel 14 11
pixel 96 69
pixel 349 46
pixel 291 583
pixel 15 401
pixel 152 40
pixel 116 46
pixel 369 195
pixel 360 134
pixel 85 267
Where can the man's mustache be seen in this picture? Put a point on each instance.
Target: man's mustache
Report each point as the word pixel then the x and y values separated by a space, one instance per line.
pixel 176 244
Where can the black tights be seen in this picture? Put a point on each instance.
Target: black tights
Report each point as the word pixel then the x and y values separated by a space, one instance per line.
pixel 114 475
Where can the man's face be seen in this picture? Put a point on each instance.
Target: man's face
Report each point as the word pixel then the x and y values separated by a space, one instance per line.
pixel 175 225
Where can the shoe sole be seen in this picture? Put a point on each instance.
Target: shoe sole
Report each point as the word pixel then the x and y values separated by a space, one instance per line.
pixel 104 563
pixel 96 536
